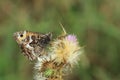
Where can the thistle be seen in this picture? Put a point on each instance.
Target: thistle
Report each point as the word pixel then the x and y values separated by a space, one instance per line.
pixel 62 55
pixel 66 50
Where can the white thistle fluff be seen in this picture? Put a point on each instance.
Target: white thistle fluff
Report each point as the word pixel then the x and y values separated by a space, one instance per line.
pixel 66 49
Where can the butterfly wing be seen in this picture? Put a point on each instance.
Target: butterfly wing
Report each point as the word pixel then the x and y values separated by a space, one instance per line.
pixel 32 44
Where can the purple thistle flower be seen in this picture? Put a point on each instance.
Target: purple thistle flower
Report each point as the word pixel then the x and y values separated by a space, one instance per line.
pixel 71 38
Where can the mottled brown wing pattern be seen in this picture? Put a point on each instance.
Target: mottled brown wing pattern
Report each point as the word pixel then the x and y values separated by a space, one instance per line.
pixel 27 52
pixel 32 44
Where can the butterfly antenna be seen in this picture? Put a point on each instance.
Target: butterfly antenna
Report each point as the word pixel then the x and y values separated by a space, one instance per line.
pixel 64 31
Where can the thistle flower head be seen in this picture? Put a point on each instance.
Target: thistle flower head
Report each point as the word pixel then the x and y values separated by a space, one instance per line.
pixel 66 50
pixel 47 69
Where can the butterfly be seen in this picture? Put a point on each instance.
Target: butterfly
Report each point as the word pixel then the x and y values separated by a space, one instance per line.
pixel 32 44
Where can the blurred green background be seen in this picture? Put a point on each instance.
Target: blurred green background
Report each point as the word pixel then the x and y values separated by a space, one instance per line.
pixel 95 22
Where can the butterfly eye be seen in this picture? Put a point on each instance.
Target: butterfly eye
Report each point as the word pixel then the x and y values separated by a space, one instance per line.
pixel 21 35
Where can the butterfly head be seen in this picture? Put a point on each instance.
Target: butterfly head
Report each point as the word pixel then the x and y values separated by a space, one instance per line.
pixel 20 37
